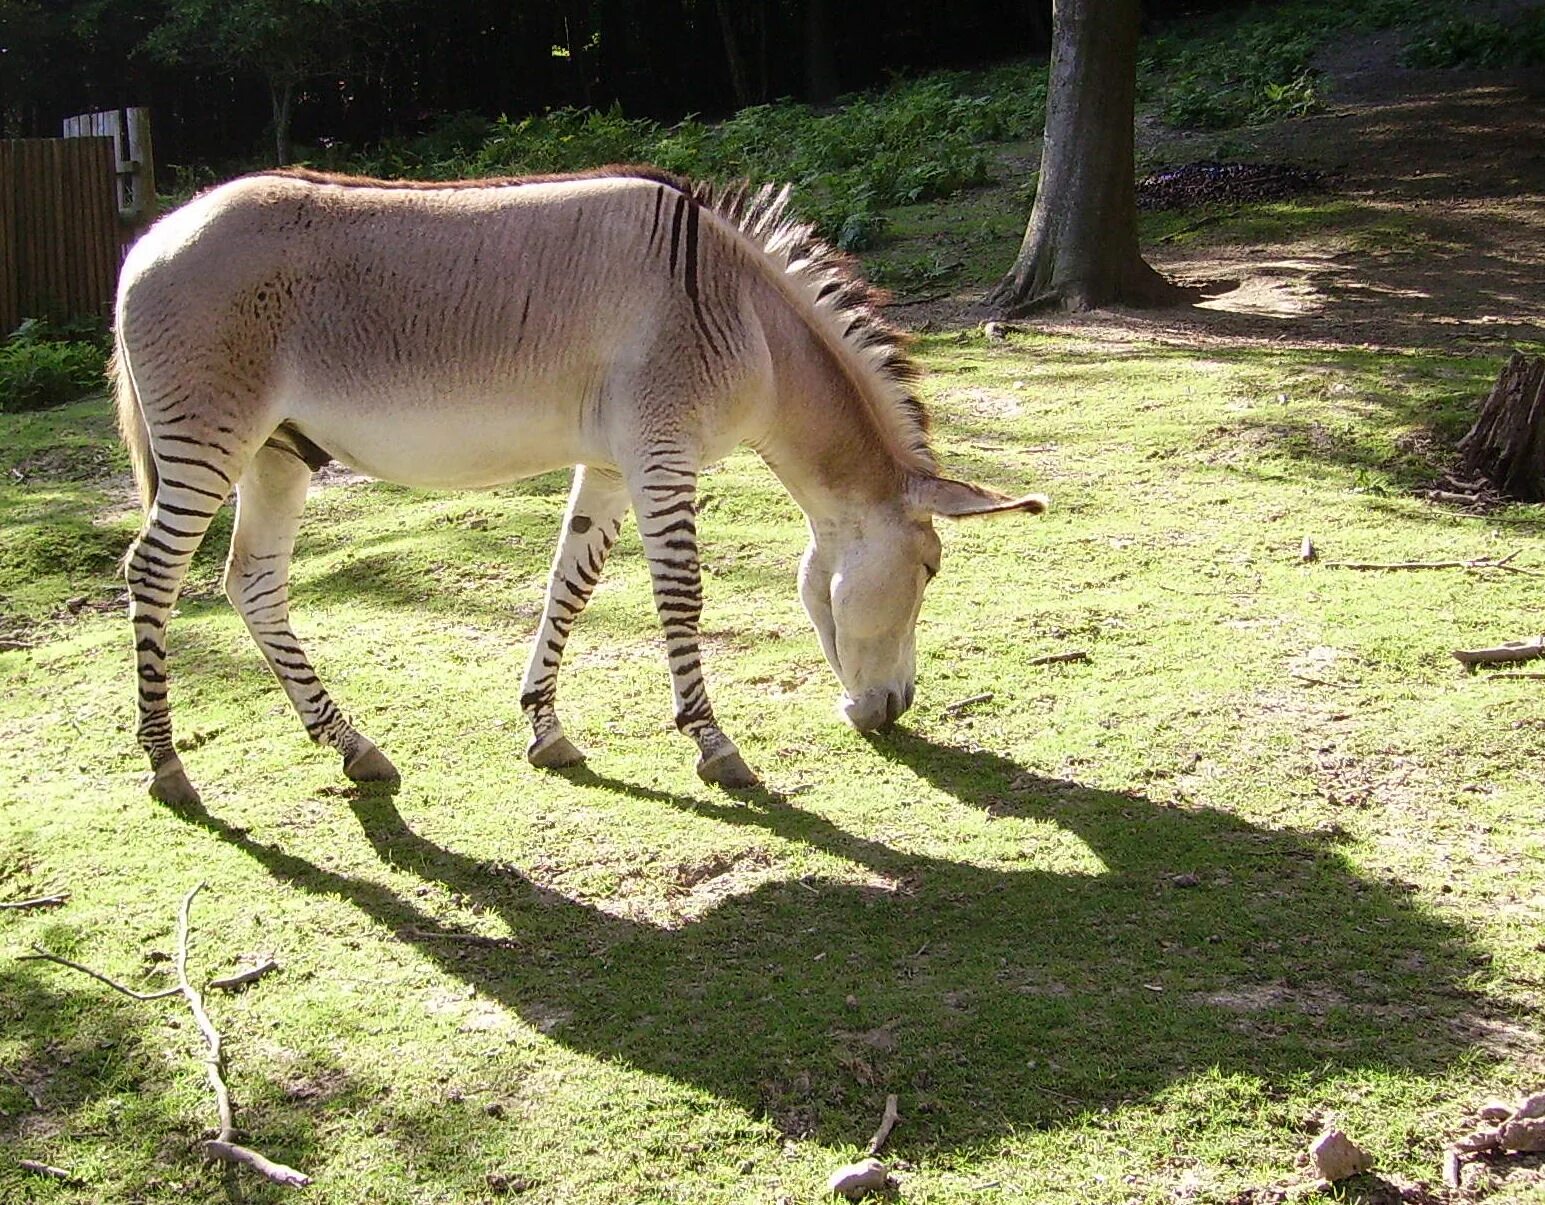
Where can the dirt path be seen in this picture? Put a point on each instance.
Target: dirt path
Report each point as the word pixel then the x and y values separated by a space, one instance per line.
pixel 1438 240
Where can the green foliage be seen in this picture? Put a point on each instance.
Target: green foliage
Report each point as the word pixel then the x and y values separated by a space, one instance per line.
pixel 43 366
pixel 914 141
pixel 1467 42
pixel 1256 65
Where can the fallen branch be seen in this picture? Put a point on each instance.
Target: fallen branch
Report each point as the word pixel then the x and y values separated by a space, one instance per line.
pixel 896 305
pixel 1513 673
pixel 1476 564
pixel 1513 650
pixel 1060 658
pixel 230 983
pixel 887 1124
pixel 39 954
pixel 469 939
pixel 42 901
pixel 223 1146
pixel 43 1169
pixel 960 705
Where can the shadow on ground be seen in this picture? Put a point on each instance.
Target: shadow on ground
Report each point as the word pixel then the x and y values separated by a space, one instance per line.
pixel 992 1000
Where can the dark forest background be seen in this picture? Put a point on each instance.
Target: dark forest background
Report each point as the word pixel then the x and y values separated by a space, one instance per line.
pixel 388 68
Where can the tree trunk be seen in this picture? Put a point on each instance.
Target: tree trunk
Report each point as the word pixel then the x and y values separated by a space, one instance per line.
pixel 1080 248
pixel 1505 450
pixel 820 56
pixel 282 94
pixel 737 62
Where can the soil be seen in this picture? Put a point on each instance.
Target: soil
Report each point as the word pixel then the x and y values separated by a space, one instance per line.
pixel 1447 169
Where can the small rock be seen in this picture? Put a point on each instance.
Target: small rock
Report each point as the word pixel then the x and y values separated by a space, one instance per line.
pixel 1530 1106
pixel 994 332
pixel 851 1002
pixel 495 1109
pixel 75 605
pixel 1185 880
pixel 499 1183
pixel 1527 1135
pixel 1337 1157
pixel 1495 1110
pixel 856 1179
pixel 747 1166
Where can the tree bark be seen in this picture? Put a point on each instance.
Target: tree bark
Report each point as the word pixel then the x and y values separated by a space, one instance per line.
pixel 737 61
pixel 282 93
pixel 1080 247
pixel 1506 447
pixel 820 56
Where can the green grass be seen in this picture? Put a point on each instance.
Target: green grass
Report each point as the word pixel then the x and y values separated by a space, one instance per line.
pixel 707 998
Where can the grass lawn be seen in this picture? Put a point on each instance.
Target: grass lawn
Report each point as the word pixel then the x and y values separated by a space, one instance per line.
pixel 1126 929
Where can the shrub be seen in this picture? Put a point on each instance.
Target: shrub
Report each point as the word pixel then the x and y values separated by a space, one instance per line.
pixel 914 141
pixel 1465 42
pixel 41 367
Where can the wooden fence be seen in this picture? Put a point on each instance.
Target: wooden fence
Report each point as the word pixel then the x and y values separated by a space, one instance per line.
pixel 69 207
pixel 59 229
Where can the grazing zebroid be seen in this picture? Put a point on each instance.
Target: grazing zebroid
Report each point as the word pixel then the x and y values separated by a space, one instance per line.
pixel 466 335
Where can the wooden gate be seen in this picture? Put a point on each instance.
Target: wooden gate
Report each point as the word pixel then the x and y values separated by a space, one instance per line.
pixel 59 229
pixel 69 207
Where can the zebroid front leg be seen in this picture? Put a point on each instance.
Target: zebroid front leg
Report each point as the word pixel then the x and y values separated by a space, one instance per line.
pixel 665 499
pixel 597 504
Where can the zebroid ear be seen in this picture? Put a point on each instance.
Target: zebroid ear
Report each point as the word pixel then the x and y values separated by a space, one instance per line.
pixel 962 500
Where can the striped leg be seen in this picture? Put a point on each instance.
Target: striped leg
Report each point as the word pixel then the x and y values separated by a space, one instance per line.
pixel 665 499
pixel 269 498
pixel 187 496
pixel 597 504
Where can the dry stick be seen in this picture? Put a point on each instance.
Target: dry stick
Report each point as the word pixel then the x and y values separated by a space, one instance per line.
pixel 231 982
pixel 887 1124
pixel 221 1146
pixel 1059 658
pixel 1513 650
pixel 1513 674
pixel 961 704
pixel 39 954
pixel 1479 563
pixel 469 939
pixel 43 1169
pixel 42 901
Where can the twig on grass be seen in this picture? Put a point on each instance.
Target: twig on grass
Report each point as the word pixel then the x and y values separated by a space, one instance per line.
pixel 223 1146
pixel 1477 564
pixel 42 901
pixel 887 1124
pixel 469 939
pixel 1513 650
pixel 44 1169
pixel 960 705
pixel 1060 658
pixel 1513 673
pixel 230 983
pixel 39 954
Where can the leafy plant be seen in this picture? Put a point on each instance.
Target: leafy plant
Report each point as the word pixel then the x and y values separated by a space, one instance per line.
pixel 1467 42
pixel 914 141
pixel 41 367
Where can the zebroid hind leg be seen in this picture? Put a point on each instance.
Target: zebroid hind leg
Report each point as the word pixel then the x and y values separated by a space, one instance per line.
pixel 190 487
pixel 269 499
pixel 597 504
pixel 665 500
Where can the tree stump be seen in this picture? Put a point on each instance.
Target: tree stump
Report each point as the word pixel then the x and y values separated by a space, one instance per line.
pixel 1505 450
